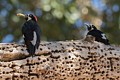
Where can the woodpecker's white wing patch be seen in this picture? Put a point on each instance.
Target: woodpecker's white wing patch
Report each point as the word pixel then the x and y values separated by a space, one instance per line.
pixel 103 36
pixel 23 36
pixel 34 38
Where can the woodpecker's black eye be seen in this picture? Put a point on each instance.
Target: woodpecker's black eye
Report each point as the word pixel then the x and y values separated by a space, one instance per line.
pixel 94 27
pixel 30 15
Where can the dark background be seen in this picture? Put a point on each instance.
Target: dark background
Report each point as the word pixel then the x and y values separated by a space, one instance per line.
pixel 61 19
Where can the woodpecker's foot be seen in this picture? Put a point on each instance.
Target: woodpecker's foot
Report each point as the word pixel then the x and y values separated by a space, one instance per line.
pixel 33 55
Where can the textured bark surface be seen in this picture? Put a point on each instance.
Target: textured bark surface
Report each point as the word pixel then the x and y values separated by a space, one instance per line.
pixel 63 60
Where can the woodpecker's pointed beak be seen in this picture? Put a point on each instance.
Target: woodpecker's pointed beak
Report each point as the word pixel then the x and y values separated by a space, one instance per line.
pixel 21 15
pixel 87 25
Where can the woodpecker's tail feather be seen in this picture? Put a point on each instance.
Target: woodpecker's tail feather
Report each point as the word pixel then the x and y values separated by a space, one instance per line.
pixel 31 50
pixel 106 42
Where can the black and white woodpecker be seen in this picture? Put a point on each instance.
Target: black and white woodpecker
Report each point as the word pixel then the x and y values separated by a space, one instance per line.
pixel 99 36
pixel 31 33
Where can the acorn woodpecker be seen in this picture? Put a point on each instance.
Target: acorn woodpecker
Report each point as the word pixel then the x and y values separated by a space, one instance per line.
pixel 99 36
pixel 31 33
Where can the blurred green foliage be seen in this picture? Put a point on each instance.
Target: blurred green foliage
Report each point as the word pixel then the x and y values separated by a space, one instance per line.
pixel 60 19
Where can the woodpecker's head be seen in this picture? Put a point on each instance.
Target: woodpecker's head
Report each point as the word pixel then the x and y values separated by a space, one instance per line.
pixel 90 27
pixel 28 16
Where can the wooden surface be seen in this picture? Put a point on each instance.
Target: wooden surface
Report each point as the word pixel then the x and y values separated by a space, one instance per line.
pixel 63 60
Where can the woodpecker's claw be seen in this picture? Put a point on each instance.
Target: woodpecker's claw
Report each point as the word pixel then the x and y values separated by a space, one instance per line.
pixel 20 14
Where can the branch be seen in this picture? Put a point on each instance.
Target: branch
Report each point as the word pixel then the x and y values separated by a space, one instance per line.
pixel 63 60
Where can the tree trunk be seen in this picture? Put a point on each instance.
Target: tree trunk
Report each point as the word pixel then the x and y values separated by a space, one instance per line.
pixel 63 60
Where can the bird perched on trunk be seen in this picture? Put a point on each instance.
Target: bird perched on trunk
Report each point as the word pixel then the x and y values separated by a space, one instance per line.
pixel 31 33
pixel 99 36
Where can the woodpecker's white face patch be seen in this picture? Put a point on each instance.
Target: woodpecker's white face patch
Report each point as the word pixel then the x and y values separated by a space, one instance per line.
pixel 92 28
pixel 34 38
pixel 29 18
pixel 103 36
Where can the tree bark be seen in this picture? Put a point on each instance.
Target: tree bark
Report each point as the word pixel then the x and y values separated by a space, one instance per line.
pixel 63 60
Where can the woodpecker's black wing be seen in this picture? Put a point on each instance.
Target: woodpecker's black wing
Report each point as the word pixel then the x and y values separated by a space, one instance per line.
pixel 99 36
pixel 31 33
pixel 38 32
